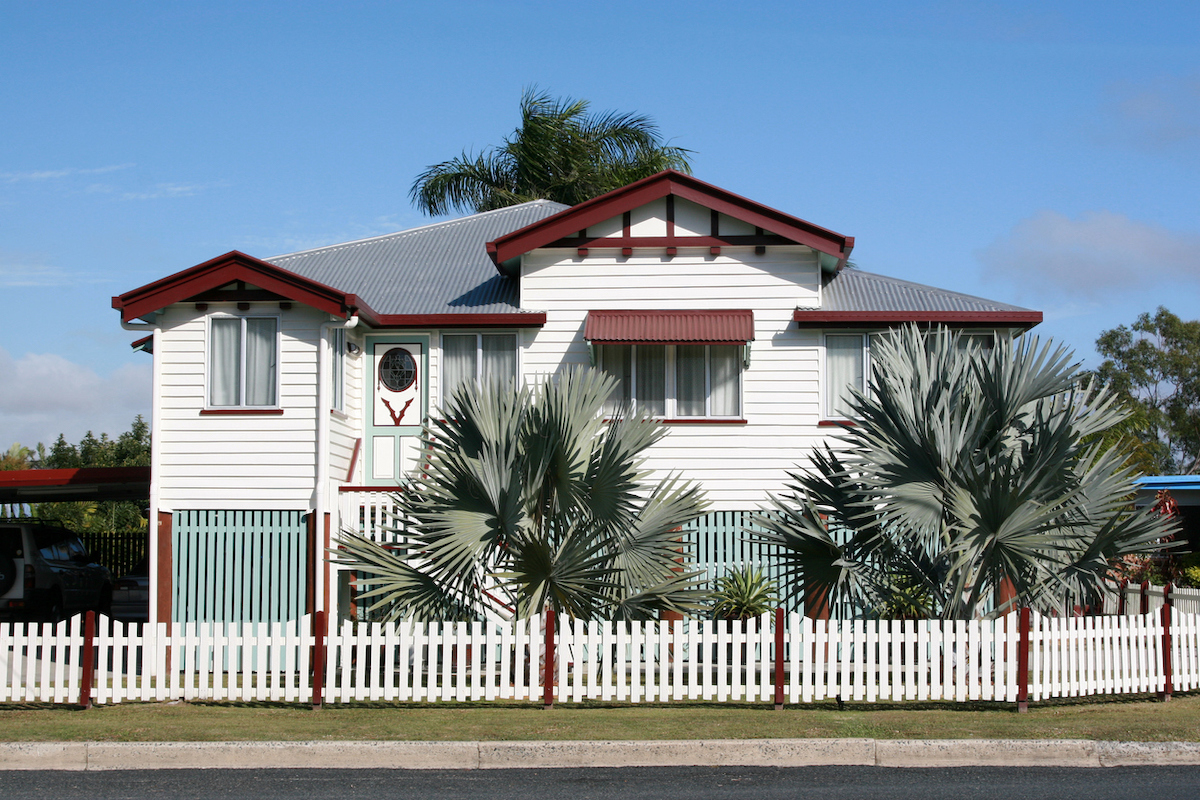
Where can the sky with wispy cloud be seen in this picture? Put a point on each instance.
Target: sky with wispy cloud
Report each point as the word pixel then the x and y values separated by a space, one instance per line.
pixel 1039 153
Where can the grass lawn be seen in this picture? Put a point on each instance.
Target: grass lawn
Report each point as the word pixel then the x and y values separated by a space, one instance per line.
pixel 1133 719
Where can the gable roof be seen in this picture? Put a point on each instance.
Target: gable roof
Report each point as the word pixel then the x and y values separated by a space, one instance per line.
pixel 437 274
pixel 854 297
pixel 437 269
pixel 591 212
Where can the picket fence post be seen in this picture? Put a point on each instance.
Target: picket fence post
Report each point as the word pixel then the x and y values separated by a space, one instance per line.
pixel 88 661
pixel 318 660
pixel 548 667
pixel 1168 688
pixel 1023 662
pixel 779 659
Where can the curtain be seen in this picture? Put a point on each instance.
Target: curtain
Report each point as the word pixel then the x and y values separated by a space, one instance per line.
pixel 652 380
pixel 614 360
pixel 689 380
pixel 224 362
pixel 843 371
pixel 260 361
pixel 458 362
pixel 726 379
pixel 499 356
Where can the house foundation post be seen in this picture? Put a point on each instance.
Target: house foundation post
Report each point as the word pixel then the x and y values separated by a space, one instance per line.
pixel 88 661
pixel 318 659
pixel 780 661
pixel 548 666
pixel 1023 661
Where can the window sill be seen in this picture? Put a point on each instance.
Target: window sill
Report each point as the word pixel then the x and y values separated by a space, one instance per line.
pixel 336 414
pixel 836 423
pixel 240 412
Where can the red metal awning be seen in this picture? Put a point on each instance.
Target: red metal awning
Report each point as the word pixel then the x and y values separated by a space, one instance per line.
pixel 720 326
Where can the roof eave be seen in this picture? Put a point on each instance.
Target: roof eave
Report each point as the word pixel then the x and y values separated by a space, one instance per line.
pixel 816 318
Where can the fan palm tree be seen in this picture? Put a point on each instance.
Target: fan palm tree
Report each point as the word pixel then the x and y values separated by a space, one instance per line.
pixel 559 152
pixel 530 499
pixel 967 469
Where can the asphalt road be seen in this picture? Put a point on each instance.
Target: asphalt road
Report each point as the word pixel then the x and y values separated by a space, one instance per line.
pixel 691 783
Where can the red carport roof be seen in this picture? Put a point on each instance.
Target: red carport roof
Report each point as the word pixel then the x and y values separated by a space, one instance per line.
pixel 87 483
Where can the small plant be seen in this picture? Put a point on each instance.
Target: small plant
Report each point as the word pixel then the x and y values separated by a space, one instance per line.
pixel 743 594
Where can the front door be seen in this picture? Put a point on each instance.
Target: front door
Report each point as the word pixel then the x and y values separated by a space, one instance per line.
pixel 397 395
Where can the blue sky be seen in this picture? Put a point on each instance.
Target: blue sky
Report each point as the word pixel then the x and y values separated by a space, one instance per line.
pixel 1045 154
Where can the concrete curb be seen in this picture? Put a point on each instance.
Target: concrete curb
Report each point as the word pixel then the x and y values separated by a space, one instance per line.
pixel 80 756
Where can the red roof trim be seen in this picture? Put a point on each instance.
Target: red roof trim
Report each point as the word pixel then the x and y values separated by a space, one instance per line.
pixel 715 326
pixel 815 318
pixel 235 266
pixel 531 319
pixel 18 478
pixel 669 183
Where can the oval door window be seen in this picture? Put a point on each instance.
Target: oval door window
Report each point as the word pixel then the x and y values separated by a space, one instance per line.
pixel 397 369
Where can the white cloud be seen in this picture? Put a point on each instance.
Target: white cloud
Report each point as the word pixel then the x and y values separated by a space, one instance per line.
pixel 1157 115
pixel 169 190
pixel 55 174
pixel 44 394
pixel 1097 254
pixel 29 270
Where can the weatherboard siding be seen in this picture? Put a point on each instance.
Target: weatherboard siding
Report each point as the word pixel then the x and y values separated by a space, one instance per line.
pixel 737 464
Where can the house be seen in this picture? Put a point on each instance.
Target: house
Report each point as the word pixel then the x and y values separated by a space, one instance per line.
pixel 289 392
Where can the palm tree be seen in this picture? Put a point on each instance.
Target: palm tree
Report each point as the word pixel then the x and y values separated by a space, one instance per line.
pixel 967 470
pixel 530 499
pixel 559 152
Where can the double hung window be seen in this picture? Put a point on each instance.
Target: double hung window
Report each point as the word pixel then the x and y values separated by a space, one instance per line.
pixel 674 381
pixel 477 357
pixel 243 362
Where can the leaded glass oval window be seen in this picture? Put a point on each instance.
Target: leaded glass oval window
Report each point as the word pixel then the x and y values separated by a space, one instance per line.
pixel 397 369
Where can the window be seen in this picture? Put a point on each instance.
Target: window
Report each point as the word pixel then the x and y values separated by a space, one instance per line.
pixel 477 356
pixel 338 345
pixel 674 381
pixel 845 370
pixel 243 361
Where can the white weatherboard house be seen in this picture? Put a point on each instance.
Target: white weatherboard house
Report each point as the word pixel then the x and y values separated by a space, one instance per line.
pixel 289 392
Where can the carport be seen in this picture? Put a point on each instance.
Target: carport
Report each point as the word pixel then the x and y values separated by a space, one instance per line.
pixel 87 483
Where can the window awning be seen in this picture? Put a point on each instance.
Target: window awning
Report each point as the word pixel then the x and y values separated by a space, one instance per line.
pixel 721 326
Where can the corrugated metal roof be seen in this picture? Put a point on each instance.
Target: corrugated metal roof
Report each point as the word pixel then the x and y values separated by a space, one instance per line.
pixel 441 268
pixel 855 290
pixel 723 326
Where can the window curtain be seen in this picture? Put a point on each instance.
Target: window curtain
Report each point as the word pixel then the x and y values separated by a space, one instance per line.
pixel 458 362
pixel 652 380
pixel 338 345
pixel 726 379
pixel 260 361
pixel 843 371
pixel 499 356
pixel 689 380
pixel 615 361
pixel 224 362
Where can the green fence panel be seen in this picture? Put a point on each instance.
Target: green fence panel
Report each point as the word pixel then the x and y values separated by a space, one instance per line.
pixel 234 566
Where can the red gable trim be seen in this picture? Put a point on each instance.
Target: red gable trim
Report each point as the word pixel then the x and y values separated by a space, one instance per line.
pixel 816 318
pixel 235 266
pixel 724 326
pixel 665 184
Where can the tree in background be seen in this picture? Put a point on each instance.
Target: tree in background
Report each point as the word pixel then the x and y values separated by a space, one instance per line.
pixel 559 152
pixel 1155 365
pixel 17 457
pixel 529 499
pixel 968 473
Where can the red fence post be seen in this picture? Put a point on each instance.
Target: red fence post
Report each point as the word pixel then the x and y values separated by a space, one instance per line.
pixel 1023 662
pixel 1168 688
pixel 548 667
pixel 318 659
pixel 1145 606
pixel 89 660
pixel 779 659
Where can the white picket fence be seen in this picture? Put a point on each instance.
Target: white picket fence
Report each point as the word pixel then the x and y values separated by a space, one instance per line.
pixel 660 661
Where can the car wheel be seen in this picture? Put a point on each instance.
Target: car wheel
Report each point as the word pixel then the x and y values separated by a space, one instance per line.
pixel 8 573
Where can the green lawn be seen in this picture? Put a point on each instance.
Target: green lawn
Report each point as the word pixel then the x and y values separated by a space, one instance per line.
pixel 1136 719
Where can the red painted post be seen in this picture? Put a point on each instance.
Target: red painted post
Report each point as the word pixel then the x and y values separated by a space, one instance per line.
pixel 89 660
pixel 1145 606
pixel 1168 687
pixel 1121 597
pixel 1023 662
pixel 318 659
pixel 779 659
pixel 548 668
